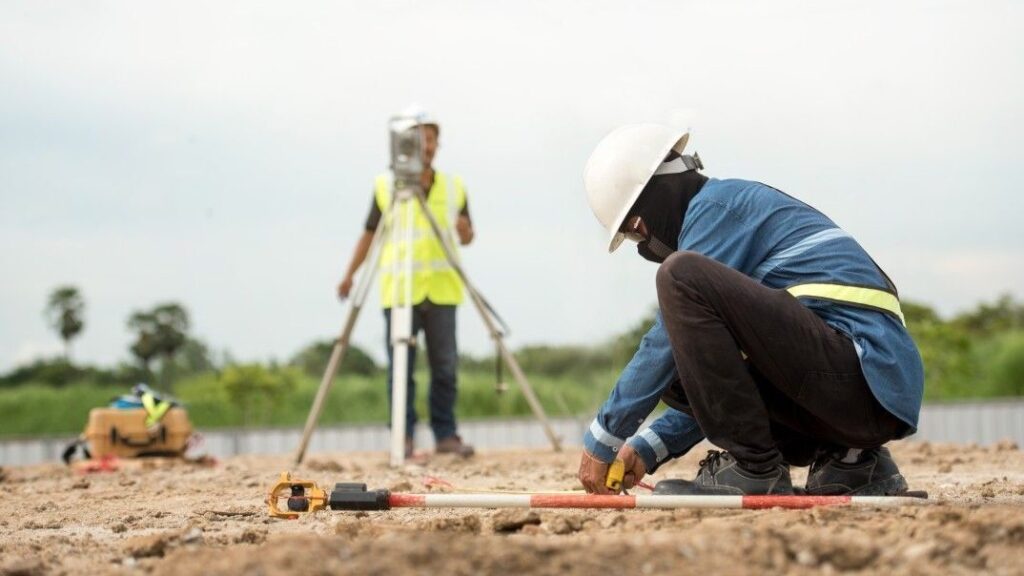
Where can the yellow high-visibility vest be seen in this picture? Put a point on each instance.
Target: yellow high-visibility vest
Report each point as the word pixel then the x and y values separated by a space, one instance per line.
pixel 432 276
pixel 154 410
pixel 874 298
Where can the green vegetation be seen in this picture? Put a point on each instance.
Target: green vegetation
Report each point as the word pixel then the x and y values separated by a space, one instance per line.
pixel 976 354
pixel 253 390
pixel 160 332
pixel 236 398
pixel 33 409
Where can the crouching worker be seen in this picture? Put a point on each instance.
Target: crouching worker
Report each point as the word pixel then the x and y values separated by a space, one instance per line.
pixel 777 338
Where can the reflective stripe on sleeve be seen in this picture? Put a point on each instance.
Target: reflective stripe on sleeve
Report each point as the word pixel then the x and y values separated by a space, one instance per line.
pixel 604 437
pixel 660 450
pixel 799 248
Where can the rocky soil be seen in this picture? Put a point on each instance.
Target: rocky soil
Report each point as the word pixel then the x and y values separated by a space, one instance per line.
pixel 159 517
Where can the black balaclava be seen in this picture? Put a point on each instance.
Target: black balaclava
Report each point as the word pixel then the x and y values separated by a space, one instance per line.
pixel 662 205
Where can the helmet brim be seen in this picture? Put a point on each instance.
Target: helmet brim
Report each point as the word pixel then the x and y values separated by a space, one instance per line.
pixel 615 238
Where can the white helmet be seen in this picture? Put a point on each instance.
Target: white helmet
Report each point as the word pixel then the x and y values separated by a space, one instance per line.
pixel 621 165
pixel 417 116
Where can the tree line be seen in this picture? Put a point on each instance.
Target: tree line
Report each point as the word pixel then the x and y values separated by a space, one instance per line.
pixel 162 349
pixel 161 333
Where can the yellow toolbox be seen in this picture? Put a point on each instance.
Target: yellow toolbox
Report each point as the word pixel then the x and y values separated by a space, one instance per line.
pixel 124 433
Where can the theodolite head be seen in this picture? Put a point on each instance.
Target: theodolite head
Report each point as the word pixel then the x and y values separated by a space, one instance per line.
pixel 407 144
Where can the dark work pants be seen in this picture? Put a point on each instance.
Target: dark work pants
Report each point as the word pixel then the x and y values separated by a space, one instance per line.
pixel 438 324
pixel 800 389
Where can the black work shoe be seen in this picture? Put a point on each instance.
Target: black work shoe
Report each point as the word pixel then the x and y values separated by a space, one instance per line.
pixel 872 473
pixel 720 474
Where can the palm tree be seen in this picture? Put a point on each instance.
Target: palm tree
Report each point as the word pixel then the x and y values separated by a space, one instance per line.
pixel 145 347
pixel 65 310
pixel 172 333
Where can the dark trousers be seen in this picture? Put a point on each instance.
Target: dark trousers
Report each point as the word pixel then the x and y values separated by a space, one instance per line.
pixel 438 325
pixel 800 388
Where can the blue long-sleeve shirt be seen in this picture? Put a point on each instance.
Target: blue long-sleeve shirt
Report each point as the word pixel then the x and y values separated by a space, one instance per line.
pixel 779 242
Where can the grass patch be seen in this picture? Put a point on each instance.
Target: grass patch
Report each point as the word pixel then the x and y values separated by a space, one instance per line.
pixel 39 409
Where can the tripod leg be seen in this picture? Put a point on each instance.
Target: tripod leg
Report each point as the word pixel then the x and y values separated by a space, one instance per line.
pixel 477 298
pixel 399 396
pixel 401 324
pixel 341 344
pixel 531 397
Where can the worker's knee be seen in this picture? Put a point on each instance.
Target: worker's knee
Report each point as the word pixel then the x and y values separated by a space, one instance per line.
pixel 444 373
pixel 683 269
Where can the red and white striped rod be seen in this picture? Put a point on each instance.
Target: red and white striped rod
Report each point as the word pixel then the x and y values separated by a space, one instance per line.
pixel 626 502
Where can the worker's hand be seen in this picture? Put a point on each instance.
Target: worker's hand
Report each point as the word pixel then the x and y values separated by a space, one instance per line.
pixel 345 288
pixel 592 474
pixel 635 467
pixel 465 230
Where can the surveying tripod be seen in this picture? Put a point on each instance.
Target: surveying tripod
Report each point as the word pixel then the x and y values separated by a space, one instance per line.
pixel 405 198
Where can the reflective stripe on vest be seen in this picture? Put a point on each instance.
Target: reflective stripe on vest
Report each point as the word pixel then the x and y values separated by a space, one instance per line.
pixel 855 295
pixel 432 276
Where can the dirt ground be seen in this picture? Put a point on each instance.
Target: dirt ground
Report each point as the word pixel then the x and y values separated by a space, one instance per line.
pixel 179 518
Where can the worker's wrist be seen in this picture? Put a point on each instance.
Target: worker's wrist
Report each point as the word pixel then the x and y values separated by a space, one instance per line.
pixel 601 444
pixel 645 452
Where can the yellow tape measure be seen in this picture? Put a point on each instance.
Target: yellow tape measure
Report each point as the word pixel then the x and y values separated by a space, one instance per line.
pixel 616 472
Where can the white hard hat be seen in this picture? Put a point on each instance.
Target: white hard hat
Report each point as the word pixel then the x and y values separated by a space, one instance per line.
pixel 621 165
pixel 418 116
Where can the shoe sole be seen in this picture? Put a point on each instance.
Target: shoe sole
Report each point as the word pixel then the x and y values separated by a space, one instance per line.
pixel 895 485
pixel 891 486
pixel 676 487
pixel 454 453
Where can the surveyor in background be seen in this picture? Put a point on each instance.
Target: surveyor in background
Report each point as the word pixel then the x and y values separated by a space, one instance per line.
pixel 778 338
pixel 436 288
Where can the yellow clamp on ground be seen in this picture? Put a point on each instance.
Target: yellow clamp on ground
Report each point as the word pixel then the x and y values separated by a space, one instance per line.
pixel 312 497
pixel 616 472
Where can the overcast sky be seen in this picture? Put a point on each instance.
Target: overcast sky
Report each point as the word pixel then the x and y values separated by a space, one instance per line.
pixel 221 154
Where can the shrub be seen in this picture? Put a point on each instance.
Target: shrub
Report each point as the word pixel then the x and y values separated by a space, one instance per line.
pixel 1007 372
pixel 255 390
pixel 312 360
pixel 59 372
